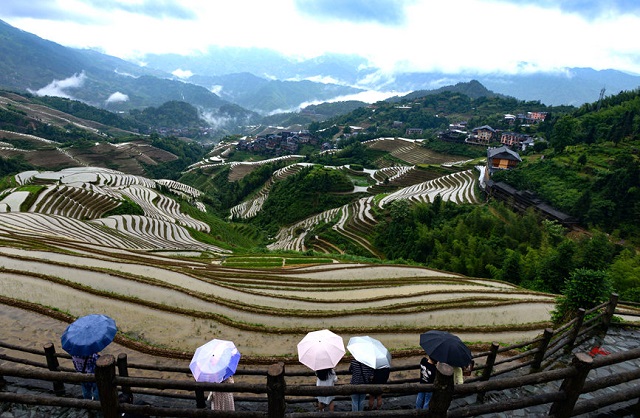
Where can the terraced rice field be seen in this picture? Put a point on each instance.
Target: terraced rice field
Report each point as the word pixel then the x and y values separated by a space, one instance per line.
pixel 355 220
pixel 408 150
pixel 71 204
pixel 58 250
pixel 175 305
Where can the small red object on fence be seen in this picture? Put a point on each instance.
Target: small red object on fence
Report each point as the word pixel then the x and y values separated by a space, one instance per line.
pixel 597 350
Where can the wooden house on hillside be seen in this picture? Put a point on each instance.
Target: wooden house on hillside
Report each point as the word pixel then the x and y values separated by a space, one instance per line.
pixel 521 200
pixel 501 158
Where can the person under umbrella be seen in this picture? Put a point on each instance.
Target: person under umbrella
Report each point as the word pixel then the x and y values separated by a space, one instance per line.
pixel 427 375
pixel 372 353
pixel 84 339
pixel 216 362
pixel 321 351
pixel 325 377
pixel 361 374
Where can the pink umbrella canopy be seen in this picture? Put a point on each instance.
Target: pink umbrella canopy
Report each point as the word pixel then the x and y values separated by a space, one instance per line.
pixel 321 350
pixel 215 361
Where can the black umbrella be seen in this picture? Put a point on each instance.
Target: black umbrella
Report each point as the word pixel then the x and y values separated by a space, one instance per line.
pixel 445 347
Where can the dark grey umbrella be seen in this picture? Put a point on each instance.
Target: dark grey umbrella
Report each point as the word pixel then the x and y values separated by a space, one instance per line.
pixel 445 347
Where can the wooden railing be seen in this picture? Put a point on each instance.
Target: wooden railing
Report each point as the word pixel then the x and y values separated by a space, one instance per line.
pixel 534 361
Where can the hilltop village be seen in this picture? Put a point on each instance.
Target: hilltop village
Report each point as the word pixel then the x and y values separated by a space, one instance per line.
pixel 278 141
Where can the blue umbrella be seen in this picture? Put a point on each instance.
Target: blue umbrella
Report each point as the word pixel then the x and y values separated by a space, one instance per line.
pixel 88 334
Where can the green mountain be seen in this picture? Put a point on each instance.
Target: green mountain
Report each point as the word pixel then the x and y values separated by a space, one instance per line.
pixel 32 64
pixel 473 89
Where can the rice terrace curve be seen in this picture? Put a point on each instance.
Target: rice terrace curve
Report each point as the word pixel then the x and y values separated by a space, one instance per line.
pixel 170 293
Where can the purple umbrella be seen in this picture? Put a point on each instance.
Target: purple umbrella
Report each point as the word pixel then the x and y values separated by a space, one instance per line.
pixel 215 361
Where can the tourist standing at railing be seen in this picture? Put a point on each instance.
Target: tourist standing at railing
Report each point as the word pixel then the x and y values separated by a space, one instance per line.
pixel 222 401
pixel 361 374
pixel 325 377
pixel 87 364
pixel 380 377
pixel 427 375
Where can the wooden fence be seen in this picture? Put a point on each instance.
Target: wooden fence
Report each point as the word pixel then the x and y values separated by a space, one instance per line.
pixel 535 361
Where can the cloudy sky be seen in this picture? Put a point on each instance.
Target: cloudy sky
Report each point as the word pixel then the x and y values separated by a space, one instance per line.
pixel 447 35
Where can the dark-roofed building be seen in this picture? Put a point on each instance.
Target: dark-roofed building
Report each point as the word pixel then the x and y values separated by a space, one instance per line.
pixel 483 134
pixel 501 158
pixel 522 200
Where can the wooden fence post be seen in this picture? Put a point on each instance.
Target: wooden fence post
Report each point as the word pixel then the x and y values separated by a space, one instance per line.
pixel 575 330
pixel 275 391
pixel 53 365
pixel 200 400
pixel 609 311
pixel 572 386
pixel 105 374
pixel 542 349
pixel 442 391
pixel 123 371
pixel 488 368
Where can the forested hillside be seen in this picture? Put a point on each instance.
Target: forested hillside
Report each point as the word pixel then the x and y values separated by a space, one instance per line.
pixel 592 170
pixel 396 200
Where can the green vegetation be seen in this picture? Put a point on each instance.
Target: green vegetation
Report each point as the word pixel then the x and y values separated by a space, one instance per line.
pixel 312 190
pixel 585 289
pixel 492 241
pixel 224 234
pixel 85 111
pixel 126 207
pixel 14 165
pixel 172 114
pixel 34 191
pixel 593 171
pixel 352 152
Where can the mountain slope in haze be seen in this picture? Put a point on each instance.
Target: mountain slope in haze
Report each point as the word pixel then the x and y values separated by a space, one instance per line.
pixel 269 96
pixel 46 138
pixel 30 63
pixel 572 86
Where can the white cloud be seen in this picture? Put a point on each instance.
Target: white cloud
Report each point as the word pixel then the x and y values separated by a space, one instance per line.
pixel 117 97
pixel 183 74
pixel 451 35
pixel 59 88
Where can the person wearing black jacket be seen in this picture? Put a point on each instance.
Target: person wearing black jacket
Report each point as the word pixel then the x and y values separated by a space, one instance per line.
pixel 427 375
pixel 380 377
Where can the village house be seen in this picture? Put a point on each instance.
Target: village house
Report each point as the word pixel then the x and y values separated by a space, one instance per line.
pixel 532 117
pixel 413 131
pixel 501 158
pixel 513 138
pixel 483 134
pixel 459 126
pixel 453 135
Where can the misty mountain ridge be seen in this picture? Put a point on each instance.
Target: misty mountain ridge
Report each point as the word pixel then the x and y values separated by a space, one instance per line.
pixel 235 86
